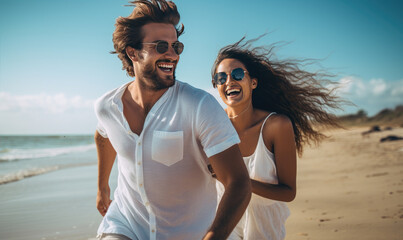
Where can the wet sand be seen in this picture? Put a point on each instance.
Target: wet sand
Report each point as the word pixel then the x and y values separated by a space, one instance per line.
pixel 56 205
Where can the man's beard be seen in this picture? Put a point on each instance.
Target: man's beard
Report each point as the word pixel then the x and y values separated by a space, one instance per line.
pixel 155 82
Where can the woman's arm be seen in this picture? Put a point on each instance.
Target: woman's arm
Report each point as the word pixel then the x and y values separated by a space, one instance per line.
pixel 279 138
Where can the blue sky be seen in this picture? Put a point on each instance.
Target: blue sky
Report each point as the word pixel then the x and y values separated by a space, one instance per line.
pixel 55 61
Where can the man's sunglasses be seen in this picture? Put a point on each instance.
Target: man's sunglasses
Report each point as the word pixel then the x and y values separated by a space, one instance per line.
pixel 162 47
pixel 221 77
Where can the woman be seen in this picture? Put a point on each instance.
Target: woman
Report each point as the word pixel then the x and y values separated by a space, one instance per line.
pixel 272 105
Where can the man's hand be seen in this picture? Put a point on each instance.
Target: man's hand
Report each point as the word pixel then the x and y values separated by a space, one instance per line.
pixel 103 200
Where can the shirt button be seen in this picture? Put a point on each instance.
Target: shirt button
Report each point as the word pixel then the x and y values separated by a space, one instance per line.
pixel 147 204
pixel 140 185
pixel 138 163
pixel 153 230
pixel 139 143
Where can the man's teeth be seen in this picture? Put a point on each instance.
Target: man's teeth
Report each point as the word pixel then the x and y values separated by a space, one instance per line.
pixel 165 66
pixel 233 91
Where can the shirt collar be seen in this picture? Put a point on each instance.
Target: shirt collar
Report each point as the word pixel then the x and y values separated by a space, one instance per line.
pixel 117 98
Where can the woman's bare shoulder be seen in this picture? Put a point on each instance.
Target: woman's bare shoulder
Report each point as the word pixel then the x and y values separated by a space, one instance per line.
pixel 277 124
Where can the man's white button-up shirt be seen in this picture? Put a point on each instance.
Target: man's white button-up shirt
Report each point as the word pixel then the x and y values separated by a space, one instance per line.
pixel 165 190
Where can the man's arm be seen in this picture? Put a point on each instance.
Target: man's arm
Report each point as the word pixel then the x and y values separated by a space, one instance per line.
pixel 106 158
pixel 232 173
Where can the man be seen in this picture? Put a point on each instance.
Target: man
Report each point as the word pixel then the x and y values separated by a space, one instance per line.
pixel 164 133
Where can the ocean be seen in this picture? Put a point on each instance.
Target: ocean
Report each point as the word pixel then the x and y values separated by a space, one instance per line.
pixel 27 156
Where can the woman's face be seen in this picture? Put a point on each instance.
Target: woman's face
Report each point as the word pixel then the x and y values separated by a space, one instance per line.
pixel 236 91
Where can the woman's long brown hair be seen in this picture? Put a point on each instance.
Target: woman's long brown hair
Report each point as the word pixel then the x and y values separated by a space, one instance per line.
pixel 283 87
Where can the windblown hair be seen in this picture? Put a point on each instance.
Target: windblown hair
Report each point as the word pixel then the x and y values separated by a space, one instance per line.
pixel 283 87
pixel 128 29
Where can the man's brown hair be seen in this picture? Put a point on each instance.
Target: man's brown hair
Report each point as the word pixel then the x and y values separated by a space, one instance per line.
pixel 128 29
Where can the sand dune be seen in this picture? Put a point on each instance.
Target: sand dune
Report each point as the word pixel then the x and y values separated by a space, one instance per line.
pixel 350 187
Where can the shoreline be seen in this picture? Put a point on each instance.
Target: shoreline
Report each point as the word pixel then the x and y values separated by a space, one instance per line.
pixel 55 205
pixel 37 171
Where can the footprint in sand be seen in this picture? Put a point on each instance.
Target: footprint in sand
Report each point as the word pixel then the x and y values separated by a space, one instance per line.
pixel 377 174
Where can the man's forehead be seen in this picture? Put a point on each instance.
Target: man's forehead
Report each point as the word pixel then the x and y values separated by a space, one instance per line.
pixel 159 31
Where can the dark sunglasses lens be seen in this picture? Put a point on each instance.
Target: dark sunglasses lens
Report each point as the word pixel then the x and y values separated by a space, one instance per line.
pixel 220 78
pixel 238 74
pixel 178 47
pixel 162 47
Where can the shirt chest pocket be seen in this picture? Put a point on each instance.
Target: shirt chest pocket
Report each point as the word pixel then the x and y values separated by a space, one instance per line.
pixel 167 147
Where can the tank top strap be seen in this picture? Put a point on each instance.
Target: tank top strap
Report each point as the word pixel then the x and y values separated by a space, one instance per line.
pixel 261 128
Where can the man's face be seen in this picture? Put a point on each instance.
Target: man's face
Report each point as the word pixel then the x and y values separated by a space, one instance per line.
pixel 155 70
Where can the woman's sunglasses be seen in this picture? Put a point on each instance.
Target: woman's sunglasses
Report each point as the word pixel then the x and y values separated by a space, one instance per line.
pixel 162 47
pixel 221 77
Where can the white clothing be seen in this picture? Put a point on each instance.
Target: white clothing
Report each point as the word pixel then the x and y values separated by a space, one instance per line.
pixel 112 236
pixel 165 190
pixel 264 218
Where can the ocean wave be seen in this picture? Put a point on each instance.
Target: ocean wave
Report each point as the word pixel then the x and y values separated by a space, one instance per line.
pixel 20 154
pixel 12 177
pixel 22 174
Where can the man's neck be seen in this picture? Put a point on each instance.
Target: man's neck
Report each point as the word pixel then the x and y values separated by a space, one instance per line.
pixel 144 97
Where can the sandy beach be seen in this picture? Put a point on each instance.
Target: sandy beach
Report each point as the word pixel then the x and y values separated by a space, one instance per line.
pixel 350 187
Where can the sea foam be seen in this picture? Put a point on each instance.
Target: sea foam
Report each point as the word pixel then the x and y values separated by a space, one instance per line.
pixel 12 177
pixel 26 173
pixel 20 154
